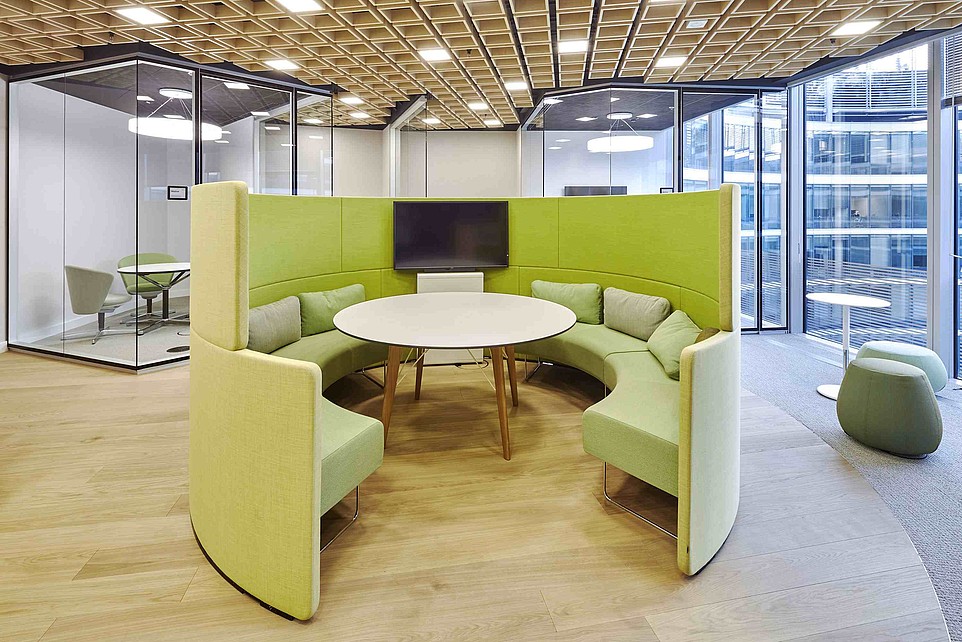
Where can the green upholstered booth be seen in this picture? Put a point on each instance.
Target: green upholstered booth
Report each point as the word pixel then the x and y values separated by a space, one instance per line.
pixel 683 247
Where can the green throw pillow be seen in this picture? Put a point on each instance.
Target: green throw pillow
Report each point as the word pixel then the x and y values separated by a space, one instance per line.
pixel 275 325
pixel 637 315
pixel 675 333
pixel 318 308
pixel 584 299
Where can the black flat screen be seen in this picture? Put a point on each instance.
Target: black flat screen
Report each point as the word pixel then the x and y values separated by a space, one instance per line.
pixel 435 235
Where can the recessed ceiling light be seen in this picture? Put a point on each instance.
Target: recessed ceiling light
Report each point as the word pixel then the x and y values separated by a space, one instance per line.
pixel 145 99
pixel 619 115
pixel 671 61
pixel 316 137
pixel 260 113
pixel 221 141
pixel 431 120
pixel 351 100
pixel 313 121
pixel 272 128
pixel 174 116
pixel 299 6
pixel 572 46
pixel 170 92
pixel 281 64
pixel 555 147
pixel 236 85
pixel 360 115
pixel 434 55
pixel 614 99
pixel 856 28
pixel 515 85
pixel 562 140
pixel 492 122
pixel 552 101
pixel 587 119
pixel 224 131
pixel 647 115
pixel 478 106
pixel 287 144
pixel 143 15
pixel 696 24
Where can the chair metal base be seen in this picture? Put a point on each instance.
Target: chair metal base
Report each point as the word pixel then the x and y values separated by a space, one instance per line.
pixel 357 506
pixel 528 375
pixel 608 498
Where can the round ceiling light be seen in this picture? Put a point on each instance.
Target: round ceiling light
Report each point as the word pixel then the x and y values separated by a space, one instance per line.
pixel 611 144
pixel 172 129
pixel 619 115
pixel 180 94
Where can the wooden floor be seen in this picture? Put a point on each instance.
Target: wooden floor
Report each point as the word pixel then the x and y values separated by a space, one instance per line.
pixel 453 542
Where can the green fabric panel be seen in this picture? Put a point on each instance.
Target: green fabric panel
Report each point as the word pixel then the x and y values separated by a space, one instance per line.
pixel 502 281
pixel 889 405
pixel 533 231
pixel 365 354
pixel 370 279
pixel 704 311
pixel 274 325
pixel 293 237
pixel 367 233
pixel 584 346
pixel 318 308
pixel 394 282
pixel 584 299
pixel 332 351
pixel 607 280
pixel 675 333
pixel 633 313
pixel 670 238
pixel 914 355
pixel 352 447
pixel 635 428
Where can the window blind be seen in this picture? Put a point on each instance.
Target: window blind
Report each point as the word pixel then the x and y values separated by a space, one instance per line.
pixel 953 66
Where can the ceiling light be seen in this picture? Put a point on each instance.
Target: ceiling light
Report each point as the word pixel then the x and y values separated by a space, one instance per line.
pixel 359 115
pixel 260 113
pixel 170 92
pixel 434 55
pixel 515 85
pixel 696 24
pixel 431 120
pixel 145 99
pixel 647 115
pixel 143 15
pixel 478 106
pixel 856 28
pixel 552 101
pixel 222 142
pixel 236 85
pixel 587 119
pixel 351 100
pixel 224 131
pixel 174 129
pixel 299 6
pixel 272 128
pixel 316 137
pixel 671 61
pixel 555 147
pixel 614 99
pixel 287 144
pixel 572 46
pixel 313 121
pixel 493 122
pixel 281 64
pixel 174 116
pixel 619 115
pixel 609 144
pixel 562 140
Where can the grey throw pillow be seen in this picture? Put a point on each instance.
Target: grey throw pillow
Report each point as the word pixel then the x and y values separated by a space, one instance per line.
pixel 275 325
pixel 634 314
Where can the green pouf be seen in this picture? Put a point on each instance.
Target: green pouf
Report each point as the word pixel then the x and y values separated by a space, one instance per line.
pixel 891 406
pixel 907 353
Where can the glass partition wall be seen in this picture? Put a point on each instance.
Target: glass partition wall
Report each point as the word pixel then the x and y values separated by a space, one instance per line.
pixel 101 165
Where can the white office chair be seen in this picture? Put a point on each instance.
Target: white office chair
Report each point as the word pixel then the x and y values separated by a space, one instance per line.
pixel 90 294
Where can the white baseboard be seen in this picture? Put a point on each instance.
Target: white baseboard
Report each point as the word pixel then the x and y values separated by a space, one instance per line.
pixel 3 346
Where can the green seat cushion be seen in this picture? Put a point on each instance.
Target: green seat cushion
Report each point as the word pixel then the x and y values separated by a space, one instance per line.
pixel 889 405
pixel 584 299
pixel 914 355
pixel 583 346
pixel 336 353
pixel 635 428
pixel 275 325
pixel 634 314
pixel 352 447
pixel 675 333
pixel 318 308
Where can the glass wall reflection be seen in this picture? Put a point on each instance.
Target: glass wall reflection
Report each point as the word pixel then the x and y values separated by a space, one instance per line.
pixel 315 145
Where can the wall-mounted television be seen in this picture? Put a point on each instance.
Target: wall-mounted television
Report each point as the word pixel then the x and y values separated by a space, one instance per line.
pixel 596 190
pixel 450 235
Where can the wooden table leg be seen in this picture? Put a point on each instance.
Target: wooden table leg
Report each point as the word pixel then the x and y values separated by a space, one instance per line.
pixel 512 374
pixel 390 386
pixel 497 355
pixel 419 368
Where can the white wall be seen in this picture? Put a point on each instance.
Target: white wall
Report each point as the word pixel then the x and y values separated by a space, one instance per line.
pixel 472 164
pixel 358 162
pixel 3 214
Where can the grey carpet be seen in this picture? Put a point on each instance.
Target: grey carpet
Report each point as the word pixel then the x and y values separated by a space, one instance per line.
pixel 925 495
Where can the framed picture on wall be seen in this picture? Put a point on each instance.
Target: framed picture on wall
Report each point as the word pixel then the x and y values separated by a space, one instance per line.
pixel 176 192
pixel 666 190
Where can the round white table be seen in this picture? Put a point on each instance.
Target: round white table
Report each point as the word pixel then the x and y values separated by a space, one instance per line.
pixel 147 271
pixel 443 320
pixel 847 301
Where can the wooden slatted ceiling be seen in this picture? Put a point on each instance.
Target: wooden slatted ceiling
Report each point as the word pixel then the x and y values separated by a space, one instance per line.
pixel 370 47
